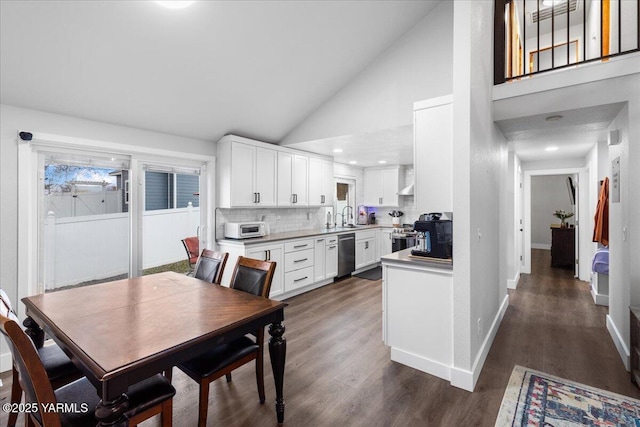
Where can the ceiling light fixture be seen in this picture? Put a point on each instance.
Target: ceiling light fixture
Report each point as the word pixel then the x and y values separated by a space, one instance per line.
pixel 337 150
pixel 382 162
pixel 175 4
pixel 551 148
pixel 554 118
pixel 353 162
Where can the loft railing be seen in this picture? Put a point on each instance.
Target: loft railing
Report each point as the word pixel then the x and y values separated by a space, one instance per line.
pixel 537 36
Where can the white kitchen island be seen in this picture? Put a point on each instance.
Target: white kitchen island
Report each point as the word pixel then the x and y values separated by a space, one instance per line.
pixel 417 317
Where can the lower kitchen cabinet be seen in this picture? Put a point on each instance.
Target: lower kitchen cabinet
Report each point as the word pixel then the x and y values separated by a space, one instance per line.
pixel 366 248
pixel 319 272
pixel 265 253
pixel 331 257
pixel 298 264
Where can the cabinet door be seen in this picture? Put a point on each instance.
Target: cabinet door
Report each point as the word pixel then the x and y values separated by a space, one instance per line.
pixel 271 253
pixel 285 171
pixel 331 260
pixel 319 260
pixel 373 187
pixel 300 182
pixel 328 187
pixel 266 172
pixel 315 182
pixel 386 246
pixel 433 156
pixel 243 160
pixel 390 180
pixel 370 251
pixel 361 253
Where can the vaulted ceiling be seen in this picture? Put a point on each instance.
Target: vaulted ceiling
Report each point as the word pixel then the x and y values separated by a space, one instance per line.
pixel 254 68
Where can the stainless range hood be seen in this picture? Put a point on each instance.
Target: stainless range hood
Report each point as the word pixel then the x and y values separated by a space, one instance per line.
pixel 406 191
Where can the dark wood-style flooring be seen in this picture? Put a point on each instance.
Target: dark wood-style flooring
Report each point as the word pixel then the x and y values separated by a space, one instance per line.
pixel 338 371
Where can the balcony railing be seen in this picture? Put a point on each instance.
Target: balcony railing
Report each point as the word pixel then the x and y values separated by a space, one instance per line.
pixel 537 36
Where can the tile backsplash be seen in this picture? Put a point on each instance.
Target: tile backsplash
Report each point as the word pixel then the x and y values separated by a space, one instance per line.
pixel 280 220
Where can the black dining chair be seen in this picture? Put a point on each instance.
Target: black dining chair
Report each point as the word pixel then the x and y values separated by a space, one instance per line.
pixel 59 368
pixel 146 399
pixel 210 266
pixel 252 276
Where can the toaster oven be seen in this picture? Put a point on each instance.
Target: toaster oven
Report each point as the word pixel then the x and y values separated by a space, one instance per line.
pixel 245 230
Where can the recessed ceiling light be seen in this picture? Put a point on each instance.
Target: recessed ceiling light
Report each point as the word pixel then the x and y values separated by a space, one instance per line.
pixel 551 148
pixel 382 162
pixel 553 118
pixel 175 4
pixel 337 150
pixel 353 162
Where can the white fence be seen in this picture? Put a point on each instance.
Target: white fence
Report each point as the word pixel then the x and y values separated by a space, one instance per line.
pixel 64 205
pixel 95 247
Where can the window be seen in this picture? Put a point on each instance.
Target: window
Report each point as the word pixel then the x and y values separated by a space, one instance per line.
pixel 167 190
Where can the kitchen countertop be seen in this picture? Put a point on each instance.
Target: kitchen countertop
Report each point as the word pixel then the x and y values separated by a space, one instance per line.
pixel 276 237
pixel 404 257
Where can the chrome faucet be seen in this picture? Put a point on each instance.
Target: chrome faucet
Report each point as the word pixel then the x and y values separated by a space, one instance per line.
pixel 351 216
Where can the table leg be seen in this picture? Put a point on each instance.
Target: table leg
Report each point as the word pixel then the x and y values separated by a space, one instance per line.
pixel 277 352
pixel 34 331
pixel 110 413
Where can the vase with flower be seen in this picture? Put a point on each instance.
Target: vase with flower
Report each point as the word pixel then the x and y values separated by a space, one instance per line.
pixel 563 215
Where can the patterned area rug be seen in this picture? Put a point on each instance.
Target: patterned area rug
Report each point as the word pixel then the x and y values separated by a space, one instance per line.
pixel 534 398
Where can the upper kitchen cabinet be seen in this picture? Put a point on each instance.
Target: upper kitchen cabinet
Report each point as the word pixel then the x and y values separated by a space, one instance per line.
pixel 433 127
pixel 293 179
pixel 247 173
pixel 381 186
pixel 320 182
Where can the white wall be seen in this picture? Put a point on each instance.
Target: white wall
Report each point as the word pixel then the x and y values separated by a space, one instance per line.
pixel 548 194
pixel 416 67
pixel 479 164
pixel 13 119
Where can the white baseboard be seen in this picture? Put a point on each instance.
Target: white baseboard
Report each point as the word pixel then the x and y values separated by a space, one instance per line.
pixel 421 363
pixel 599 299
pixel 623 351
pixel 545 246
pixel 467 380
pixel 513 283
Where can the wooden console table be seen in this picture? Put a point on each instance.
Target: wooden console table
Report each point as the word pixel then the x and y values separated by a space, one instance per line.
pixel 563 250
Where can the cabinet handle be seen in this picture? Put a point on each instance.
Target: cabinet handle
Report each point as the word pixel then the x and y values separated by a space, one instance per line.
pixel 268 253
pixel 319 240
pixel 332 247
pixel 300 260
pixel 255 199
pixel 300 246
pixel 301 279
pixel 366 245
pixel 258 197
pixel 295 198
pixel 322 199
pixel 379 200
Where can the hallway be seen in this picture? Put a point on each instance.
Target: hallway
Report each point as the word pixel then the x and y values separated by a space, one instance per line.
pixel 553 325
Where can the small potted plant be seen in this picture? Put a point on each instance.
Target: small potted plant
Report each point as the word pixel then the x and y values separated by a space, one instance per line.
pixel 563 215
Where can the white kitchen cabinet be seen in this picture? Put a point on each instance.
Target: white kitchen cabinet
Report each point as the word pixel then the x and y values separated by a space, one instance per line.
pixel 293 179
pixel 331 257
pixel 385 243
pixel 319 266
pixel 433 145
pixel 298 264
pixel 381 186
pixel 264 253
pixel 246 175
pixel 366 247
pixel 320 182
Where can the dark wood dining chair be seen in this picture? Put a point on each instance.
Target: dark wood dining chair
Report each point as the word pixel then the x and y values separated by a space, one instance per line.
pixel 252 276
pixel 59 368
pixel 210 266
pixel 147 398
pixel 192 247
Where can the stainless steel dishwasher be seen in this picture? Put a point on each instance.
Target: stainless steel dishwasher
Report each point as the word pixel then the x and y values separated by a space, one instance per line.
pixel 346 254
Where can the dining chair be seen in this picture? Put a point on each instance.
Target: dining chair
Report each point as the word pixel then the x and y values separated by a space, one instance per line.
pixel 59 368
pixel 210 266
pixel 147 398
pixel 192 246
pixel 252 276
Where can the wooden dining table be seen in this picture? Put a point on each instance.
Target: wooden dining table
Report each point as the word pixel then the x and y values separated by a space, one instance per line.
pixel 121 332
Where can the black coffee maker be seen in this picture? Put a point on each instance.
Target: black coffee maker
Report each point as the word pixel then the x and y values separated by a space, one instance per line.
pixel 435 238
